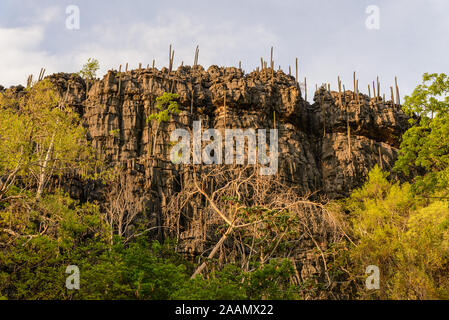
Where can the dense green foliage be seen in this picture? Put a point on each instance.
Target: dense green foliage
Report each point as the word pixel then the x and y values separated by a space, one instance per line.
pixel 40 137
pixel 425 147
pixel 56 232
pixel 167 105
pixel 406 236
pixel 404 228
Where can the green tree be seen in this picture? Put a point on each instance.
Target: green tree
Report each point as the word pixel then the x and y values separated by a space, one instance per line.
pixel 89 70
pixel 424 151
pixel 167 104
pixel 404 235
pixel 40 137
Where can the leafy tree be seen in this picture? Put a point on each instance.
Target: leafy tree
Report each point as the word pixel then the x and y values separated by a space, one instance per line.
pixel 425 147
pixel 89 70
pixel 167 105
pixel 39 137
pixel 40 239
pixel 404 235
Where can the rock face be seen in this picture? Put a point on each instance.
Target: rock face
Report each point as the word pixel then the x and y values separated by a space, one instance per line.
pixel 374 129
pixel 325 149
pixel 315 153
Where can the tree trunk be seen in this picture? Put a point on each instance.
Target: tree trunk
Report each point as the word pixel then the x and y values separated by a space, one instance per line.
pixel 44 166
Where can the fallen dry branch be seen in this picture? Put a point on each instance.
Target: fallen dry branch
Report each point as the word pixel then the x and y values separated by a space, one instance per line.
pixel 240 217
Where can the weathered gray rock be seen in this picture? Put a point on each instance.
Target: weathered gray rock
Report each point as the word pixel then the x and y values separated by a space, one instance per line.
pixel 313 144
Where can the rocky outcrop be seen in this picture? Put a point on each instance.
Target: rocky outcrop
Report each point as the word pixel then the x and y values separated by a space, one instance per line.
pixel 374 127
pixel 315 153
pixel 314 150
pixel 325 149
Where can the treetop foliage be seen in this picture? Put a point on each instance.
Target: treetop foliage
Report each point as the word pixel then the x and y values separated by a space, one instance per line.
pixel 424 150
pixel 40 137
pixel 167 105
pixel 89 70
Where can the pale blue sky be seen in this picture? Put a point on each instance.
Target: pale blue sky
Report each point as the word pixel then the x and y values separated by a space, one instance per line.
pixel 329 37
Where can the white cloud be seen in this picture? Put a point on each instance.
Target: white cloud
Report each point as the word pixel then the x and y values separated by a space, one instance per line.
pixel 21 55
pixel 20 38
pixel 143 42
pixel 47 14
pixel 114 44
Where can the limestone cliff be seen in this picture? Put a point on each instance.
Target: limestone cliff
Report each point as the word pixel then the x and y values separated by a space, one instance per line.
pixel 326 149
pixel 314 150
